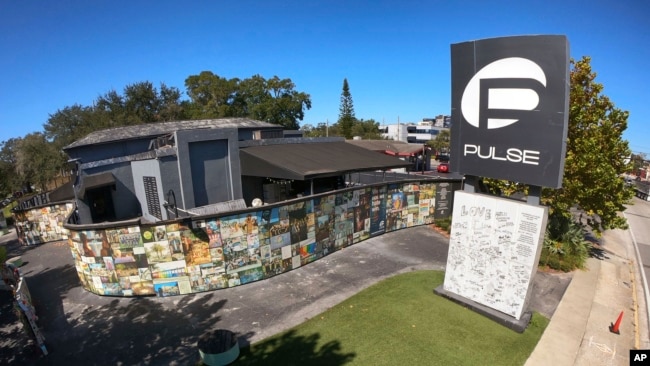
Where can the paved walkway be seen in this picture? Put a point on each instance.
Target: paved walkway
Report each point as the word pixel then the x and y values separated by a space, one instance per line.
pixel 579 331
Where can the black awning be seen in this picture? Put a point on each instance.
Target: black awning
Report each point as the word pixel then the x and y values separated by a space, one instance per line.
pixel 95 181
pixel 305 161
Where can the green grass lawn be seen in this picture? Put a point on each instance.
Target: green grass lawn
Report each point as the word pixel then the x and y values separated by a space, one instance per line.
pixel 399 321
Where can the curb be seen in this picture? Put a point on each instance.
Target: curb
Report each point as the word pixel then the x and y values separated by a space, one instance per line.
pixel 560 343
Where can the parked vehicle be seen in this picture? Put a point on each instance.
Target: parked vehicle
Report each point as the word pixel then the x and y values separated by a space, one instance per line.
pixel 443 168
pixel 442 158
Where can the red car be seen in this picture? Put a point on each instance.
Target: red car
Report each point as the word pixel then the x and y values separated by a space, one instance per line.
pixel 443 168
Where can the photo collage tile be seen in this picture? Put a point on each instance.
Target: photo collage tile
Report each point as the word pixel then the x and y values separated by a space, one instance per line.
pixel 214 253
pixel 44 224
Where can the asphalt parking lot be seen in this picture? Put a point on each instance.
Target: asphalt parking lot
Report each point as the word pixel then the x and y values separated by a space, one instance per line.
pixel 84 328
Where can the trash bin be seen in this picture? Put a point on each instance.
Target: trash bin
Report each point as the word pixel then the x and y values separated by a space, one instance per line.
pixel 218 347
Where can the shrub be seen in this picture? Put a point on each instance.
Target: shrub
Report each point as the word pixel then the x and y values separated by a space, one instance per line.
pixel 444 224
pixel 564 247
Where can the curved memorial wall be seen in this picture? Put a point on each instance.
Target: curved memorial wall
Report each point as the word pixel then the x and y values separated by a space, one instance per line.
pixel 212 252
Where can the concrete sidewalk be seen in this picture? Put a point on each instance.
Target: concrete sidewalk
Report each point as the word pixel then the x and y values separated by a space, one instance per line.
pixel 579 332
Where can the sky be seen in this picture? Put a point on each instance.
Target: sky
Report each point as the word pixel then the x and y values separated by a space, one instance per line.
pixel 394 54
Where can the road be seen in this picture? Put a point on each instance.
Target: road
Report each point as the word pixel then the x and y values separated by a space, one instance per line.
pixel 638 218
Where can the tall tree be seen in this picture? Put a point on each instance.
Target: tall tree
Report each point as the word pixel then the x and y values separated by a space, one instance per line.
pixel 37 160
pixel 596 156
pixel 274 100
pixel 366 129
pixel 346 112
pixel 140 103
pixel 281 104
pixel 250 93
pixel 69 124
pixel 212 96
pixel 9 179
pixel 170 107
pixel 110 111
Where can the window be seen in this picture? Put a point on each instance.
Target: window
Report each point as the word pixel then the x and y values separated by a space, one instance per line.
pixel 151 192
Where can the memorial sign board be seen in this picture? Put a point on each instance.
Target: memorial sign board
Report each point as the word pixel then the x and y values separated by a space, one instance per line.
pixel 494 249
pixel 510 100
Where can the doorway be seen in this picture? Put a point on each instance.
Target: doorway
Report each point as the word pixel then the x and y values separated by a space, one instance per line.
pixel 100 201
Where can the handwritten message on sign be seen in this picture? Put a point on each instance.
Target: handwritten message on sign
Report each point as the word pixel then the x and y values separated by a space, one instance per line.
pixel 494 248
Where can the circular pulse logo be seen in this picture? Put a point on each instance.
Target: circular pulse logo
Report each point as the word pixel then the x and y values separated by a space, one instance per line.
pixel 498 93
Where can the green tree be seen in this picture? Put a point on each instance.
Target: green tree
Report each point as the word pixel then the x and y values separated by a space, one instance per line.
pixel 37 160
pixel 309 130
pixel 171 106
pixel 346 112
pixel 596 155
pixel 366 129
pixel 109 111
pixel 441 142
pixel 69 124
pixel 9 179
pixel 275 100
pixel 140 103
pixel 596 158
pixel 212 96
pixel 323 129
pixel 278 103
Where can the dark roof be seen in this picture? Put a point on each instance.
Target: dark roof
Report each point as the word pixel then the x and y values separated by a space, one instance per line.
pixel 164 128
pixel 390 147
pixel 62 193
pixel 312 160
pixel 96 181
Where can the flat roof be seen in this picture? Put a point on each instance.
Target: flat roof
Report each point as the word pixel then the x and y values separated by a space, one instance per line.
pixel 312 160
pixel 390 147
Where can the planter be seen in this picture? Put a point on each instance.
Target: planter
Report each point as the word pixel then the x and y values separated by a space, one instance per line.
pixel 16 261
pixel 219 347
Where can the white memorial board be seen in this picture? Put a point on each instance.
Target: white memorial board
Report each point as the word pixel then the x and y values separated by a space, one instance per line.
pixel 494 248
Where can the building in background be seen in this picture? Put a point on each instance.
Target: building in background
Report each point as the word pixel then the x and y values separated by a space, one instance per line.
pixel 163 171
pixel 416 133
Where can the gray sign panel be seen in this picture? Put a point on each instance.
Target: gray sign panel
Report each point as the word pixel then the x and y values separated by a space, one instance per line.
pixel 510 99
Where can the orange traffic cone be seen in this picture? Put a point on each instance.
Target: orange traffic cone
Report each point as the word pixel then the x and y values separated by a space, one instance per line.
pixel 614 327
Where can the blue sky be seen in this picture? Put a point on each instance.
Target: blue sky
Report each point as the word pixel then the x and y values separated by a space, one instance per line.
pixel 395 54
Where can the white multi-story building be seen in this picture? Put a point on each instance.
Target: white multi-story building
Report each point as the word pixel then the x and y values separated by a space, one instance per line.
pixel 419 133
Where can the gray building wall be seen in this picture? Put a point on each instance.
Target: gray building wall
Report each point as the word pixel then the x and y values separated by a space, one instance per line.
pixel 171 184
pixel 208 160
pixel 150 170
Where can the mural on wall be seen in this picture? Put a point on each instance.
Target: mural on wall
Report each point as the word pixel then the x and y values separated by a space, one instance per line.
pixel 42 224
pixel 219 252
pixel 378 211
